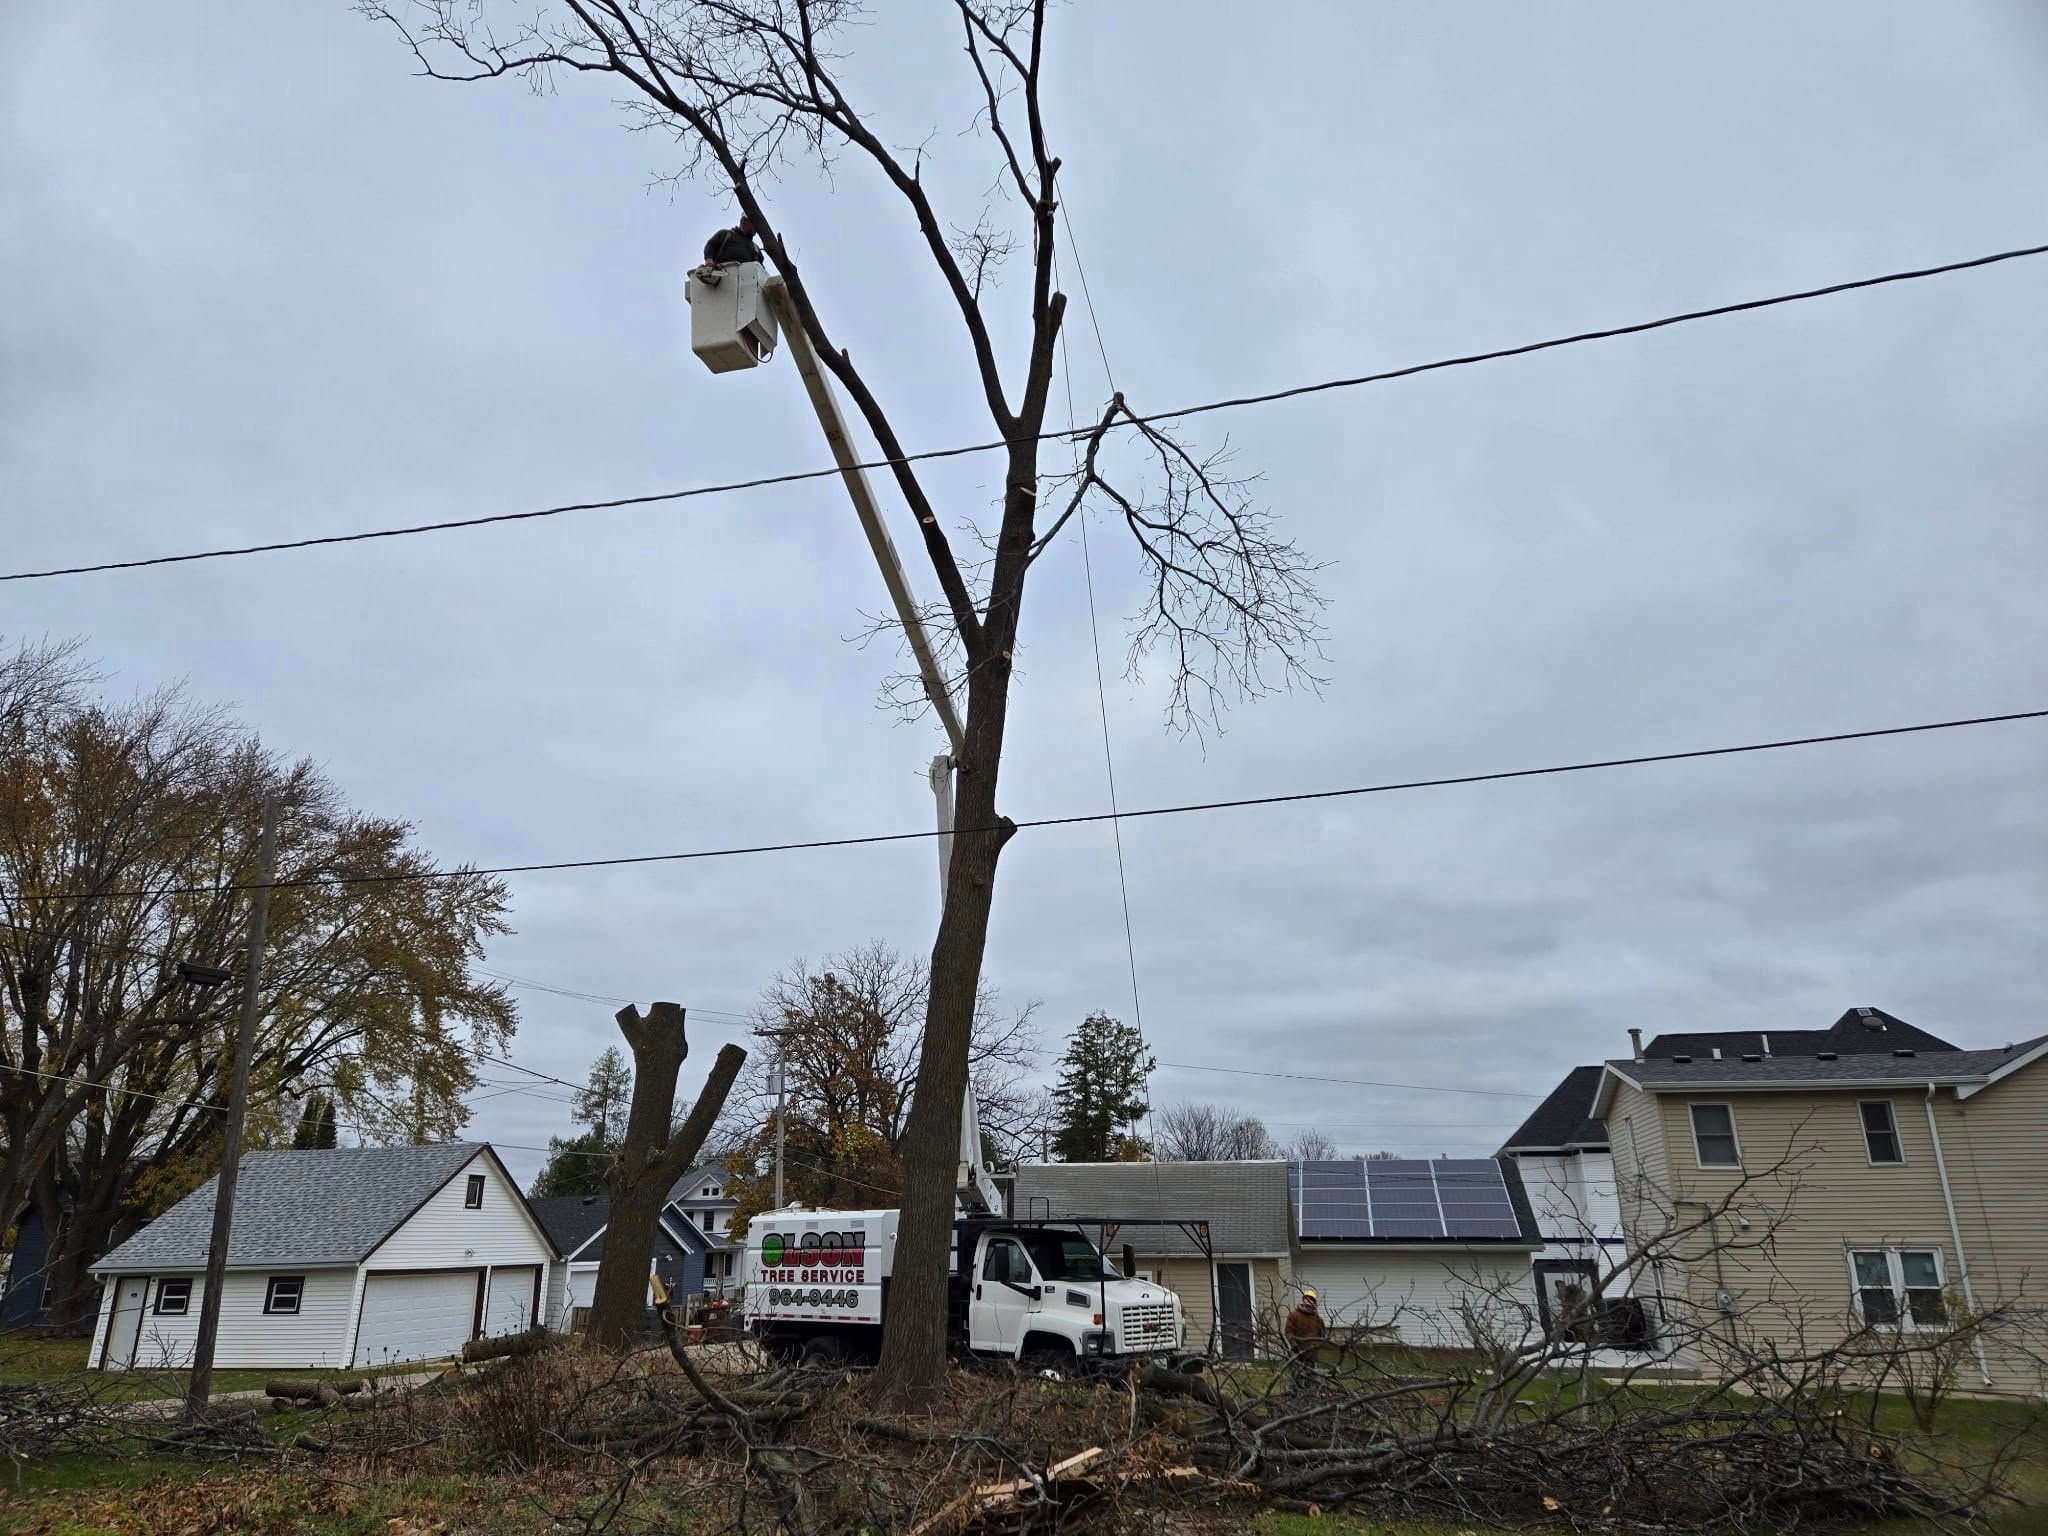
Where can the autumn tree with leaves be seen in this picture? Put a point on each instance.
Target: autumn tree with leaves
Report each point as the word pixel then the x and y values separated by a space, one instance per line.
pixel 849 1034
pixel 128 836
pixel 1229 607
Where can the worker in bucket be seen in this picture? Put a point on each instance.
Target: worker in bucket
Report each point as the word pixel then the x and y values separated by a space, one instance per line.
pixel 728 247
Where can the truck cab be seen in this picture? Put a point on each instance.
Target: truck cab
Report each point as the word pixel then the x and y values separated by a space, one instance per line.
pixel 1042 1292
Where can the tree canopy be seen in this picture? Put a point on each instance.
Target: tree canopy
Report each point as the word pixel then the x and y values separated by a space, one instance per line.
pixel 579 1165
pixel 1100 1095
pixel 849 1033
pixel 127 840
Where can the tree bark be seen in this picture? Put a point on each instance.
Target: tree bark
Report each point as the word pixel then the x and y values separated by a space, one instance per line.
pixel 650 1162
pixel 912 1370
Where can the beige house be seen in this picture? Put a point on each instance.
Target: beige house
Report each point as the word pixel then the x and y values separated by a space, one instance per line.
pixel 1895 1177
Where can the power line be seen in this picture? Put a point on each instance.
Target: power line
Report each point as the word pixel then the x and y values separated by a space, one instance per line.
pixel 1237 402
pixel 1353 1082
pixel 1247 802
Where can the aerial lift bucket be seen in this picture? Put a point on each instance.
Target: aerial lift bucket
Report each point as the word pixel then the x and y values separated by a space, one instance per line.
pixel 731 323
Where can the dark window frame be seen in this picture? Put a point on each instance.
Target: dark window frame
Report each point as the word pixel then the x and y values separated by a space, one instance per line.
pixel 157 1306
pixel 473 1193
pixel 271 1306
pixel 1889 1131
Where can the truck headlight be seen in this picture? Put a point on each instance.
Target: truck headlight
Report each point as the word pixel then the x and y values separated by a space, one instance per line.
pixel 1095 1343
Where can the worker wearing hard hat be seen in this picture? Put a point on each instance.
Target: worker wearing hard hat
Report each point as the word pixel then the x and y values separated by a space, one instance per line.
pixel 1304 1326
pixel 729 246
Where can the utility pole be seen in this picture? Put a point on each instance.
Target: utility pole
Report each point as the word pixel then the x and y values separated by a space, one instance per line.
pixel 781 1090
pixel 238 1109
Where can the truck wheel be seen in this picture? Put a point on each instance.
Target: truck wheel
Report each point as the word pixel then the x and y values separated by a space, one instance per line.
pixel 1048 1360
pixel 823 1351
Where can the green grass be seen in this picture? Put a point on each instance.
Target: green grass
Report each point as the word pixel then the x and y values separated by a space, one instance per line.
pixel 24 1360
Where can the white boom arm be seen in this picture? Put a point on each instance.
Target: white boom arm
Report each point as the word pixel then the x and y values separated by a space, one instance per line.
pixel 975 1188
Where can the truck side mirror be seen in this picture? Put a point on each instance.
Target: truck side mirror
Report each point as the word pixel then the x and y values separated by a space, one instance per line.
pixel 1130 1261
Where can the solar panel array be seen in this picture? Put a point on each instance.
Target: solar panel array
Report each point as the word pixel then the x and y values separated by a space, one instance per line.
pixel 1402 1199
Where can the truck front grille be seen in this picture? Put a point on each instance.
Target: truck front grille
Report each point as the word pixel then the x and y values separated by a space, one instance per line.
pixel 1147 1328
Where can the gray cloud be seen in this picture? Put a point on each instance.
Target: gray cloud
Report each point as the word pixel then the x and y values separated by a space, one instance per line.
pixel 265 283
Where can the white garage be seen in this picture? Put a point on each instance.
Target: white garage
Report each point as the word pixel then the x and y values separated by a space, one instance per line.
pixel 358 1256
pixel 426 1316
pixel 515 1299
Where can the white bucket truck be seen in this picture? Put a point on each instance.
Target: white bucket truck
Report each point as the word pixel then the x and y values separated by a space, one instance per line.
pixel 817 1284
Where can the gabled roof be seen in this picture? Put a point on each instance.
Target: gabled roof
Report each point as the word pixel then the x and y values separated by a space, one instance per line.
pixel 1964 1070
pixel 1565 1118
pixel 1859 1031
pixel 1245 1204
pixel 686 1187
pixel 309 1208
pixel 571 1220
pixel 577 1225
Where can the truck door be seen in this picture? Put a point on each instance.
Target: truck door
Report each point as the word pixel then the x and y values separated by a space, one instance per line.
pixel 996 1311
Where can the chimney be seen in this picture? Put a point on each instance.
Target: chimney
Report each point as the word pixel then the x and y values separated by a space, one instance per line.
pixel 1635 1043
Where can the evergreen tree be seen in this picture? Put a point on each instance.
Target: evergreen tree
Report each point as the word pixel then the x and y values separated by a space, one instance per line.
pixel 576 1166
pixel 1100 1096
pixel 316 1129
pixel 579 1165
pixel 602 1105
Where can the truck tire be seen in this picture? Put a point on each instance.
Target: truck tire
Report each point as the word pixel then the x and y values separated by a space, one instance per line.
pixel 1043 1353
pixel 823 1350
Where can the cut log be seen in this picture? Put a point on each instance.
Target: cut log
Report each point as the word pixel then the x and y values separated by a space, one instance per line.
pixel 504 1344
pixel 304 1390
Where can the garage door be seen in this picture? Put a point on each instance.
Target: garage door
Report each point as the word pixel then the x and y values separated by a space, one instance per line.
pixel 510 1309
pixel 417 1316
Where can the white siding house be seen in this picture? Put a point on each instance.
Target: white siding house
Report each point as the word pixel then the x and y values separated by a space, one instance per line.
pixel 348 1256
pixel 1567 1168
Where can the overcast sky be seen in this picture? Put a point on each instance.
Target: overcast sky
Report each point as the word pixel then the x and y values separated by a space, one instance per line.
pixel 262 282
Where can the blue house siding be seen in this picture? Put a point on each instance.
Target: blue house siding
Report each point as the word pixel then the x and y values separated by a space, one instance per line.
pixel 21 1306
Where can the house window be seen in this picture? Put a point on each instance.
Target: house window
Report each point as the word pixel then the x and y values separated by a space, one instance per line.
pixel 1881 1132
pixel 284 1293
pixel 473 1196
pixel 1713 1136
pixel 1899 1287
pixel 173 1297
pixel 711 1191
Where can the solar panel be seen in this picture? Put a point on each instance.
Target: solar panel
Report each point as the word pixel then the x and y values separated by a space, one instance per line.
pixel 1403 1199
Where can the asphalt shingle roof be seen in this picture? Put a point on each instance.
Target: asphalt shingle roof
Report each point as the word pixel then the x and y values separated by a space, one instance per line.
pixel 1858 1030
pixel 1565 1117
pixel 1943 1066
pixel 1245 1204
pixel 299 1208
pixel 571 1220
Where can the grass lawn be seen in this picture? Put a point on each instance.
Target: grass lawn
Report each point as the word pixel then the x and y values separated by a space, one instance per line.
pixel 31 1360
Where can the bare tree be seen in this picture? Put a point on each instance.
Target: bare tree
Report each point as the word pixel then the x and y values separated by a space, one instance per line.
pixel 1205 1133
pixel 1311 1146
pixel 849 1034
pixel 656 1153
pixel 744 86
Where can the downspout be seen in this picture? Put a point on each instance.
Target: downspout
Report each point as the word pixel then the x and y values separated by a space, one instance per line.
pixel 1955 1233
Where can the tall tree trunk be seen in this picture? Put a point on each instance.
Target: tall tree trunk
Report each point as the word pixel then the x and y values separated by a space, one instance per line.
pixel 912 1370
pixel 650 1162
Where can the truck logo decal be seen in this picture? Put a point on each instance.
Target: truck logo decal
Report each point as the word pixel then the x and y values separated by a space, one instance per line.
pixel 814 1250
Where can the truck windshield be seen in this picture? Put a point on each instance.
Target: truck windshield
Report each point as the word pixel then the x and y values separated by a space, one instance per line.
pixel 1066 1256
